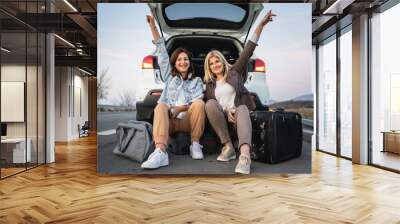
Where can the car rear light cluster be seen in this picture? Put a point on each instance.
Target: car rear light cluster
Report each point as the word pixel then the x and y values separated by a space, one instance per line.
pixel 148 62
pixel 156 93
pixel 259 65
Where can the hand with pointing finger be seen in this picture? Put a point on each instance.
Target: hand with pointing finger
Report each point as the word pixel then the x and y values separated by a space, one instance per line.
pixel 267 18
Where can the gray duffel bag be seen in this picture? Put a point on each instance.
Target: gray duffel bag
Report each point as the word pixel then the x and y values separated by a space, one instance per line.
pixel 135 140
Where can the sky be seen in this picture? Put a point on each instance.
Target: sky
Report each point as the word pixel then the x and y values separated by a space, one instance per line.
pixel 124 39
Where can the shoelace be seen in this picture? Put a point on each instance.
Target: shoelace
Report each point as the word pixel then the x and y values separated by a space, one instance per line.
pixel 198 145
pixel 154 154
pixel 246 160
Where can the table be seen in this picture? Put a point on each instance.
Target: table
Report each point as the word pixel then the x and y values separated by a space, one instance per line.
pixel 17 149
pixel 391 141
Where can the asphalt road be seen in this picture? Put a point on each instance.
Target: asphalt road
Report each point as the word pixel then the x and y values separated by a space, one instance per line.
pixel 110 120
pixel 107 122
pixel 108 163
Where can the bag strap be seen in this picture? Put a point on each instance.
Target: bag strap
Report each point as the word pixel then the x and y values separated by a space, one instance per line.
pixel 138 125
pixel 125 137
pixel 146 125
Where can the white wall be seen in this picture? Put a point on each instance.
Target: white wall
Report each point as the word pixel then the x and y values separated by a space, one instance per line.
pixel 33 125
pixel 17 73
pixel 70 83
pixel 62 81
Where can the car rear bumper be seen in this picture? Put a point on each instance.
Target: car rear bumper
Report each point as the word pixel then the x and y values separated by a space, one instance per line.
pixel 145 108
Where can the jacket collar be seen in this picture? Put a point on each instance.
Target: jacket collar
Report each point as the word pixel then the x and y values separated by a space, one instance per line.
pixel 189 76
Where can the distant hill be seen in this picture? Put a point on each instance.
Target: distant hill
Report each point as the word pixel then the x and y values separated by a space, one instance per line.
pixel 272 101
pixel 302 98
pixel 302 104
pixel 307 97
pixel 292 104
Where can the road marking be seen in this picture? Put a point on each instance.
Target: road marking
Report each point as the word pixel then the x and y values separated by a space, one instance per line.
pixel 108 132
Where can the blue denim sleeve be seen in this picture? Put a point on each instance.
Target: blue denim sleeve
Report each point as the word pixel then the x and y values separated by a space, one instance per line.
pixel 197 90
pixel 163 97
pixel 163 59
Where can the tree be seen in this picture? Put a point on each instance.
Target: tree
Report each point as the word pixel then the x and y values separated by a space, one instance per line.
pixel 127 98
pixel 103 85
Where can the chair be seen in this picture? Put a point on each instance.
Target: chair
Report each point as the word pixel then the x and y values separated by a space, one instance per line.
pixel 84 130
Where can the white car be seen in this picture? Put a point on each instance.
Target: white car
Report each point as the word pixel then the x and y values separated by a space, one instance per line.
pixel 201 27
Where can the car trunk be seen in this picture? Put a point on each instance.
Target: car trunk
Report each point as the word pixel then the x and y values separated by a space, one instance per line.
pixel 199 46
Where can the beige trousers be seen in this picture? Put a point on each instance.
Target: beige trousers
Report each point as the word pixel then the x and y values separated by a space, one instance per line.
pixel 192 123
pixel 218 121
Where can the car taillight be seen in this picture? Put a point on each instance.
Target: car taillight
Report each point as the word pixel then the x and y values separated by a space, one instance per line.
pixel 259 65
pixel 148 62
pixel 156 93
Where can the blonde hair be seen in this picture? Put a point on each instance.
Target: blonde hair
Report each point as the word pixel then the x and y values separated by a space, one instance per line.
pixel 208 75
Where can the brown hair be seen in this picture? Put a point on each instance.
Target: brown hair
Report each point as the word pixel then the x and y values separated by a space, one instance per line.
pixel 174 57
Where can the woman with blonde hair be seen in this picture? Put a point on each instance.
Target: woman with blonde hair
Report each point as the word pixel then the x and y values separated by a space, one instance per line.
pixel 228 99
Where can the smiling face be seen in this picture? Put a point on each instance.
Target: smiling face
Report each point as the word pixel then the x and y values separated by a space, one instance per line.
pixel 216 65
pixel 182 63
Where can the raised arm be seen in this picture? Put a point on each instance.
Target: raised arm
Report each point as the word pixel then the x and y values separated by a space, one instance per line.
pixel 248 50
pixel 153 28
pixel 161 50
pixel 267 18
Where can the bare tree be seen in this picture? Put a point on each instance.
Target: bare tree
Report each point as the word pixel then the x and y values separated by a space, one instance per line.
pixel 103 84
pixel 127 98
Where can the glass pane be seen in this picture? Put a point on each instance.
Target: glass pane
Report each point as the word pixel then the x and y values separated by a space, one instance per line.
pixel 327 96
pixel 386 89
pixel 41 98
pixel 346 94
pixel 220 11
pixel 206 15
pixel 31 97
pixel 13 88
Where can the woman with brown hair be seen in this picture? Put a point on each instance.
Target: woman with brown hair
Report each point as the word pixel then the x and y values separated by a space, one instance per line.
pixel 180 107
pixel 228 99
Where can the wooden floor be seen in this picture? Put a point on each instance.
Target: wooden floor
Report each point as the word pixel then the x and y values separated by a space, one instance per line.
pixel 387 159
pixel 70 191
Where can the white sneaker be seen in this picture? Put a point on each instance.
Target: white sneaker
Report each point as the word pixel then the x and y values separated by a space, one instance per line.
pixel 195 151
pixel 243 165
pixel 156 159
pixel 227 153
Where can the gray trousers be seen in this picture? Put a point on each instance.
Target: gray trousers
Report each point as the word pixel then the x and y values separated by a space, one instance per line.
pixel 219 121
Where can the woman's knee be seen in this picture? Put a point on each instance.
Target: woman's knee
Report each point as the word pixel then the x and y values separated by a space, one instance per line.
pixel 211 105
pixel 198 104
pixel 242 116
pixel 242 109
pixel 161 107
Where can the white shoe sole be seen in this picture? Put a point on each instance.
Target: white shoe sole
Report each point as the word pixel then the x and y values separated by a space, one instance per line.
pixel 197 158
pixel 228 159
pixel 242 171
pixel 147 167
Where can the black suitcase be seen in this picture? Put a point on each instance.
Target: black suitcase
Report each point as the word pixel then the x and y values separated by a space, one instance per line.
pixel 179 143
pixel 277 136
pixel 210 142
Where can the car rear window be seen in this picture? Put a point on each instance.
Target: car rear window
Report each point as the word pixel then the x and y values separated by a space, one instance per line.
pixel 206 15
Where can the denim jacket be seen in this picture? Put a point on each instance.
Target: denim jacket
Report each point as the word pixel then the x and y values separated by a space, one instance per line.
pixel 192 88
